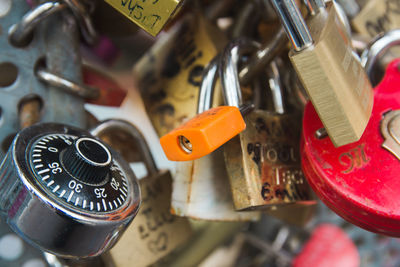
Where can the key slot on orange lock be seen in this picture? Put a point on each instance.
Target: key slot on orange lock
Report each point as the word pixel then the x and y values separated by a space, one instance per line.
pixel 204 133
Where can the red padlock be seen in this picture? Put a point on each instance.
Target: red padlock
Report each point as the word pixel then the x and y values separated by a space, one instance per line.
pixel 360 181
pixel 328 246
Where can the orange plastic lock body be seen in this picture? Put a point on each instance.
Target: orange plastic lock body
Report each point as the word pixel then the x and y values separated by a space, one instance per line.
pixel 206 132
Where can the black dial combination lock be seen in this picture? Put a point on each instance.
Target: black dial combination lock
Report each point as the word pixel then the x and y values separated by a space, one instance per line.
pixel 65 191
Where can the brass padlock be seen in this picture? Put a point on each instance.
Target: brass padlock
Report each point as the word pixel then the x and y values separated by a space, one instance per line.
pixel 155 232
pixel 151 15
pixel 329 69
pixel 169 75
pixel 201 187
pixel 263 162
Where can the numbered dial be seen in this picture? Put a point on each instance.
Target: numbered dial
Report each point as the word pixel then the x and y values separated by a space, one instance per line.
pixel 78 172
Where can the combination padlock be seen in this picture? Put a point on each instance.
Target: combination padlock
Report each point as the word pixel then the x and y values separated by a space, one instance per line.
pixel 65 192
pixel 360 181
pixel 169 75
pixel 201 187
pixel 329 69
pixel 155 232
pixel 263 162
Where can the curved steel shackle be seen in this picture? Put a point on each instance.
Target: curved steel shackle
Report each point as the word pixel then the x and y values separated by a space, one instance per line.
pixel 228 69
pixel 19 33
pixel 136 136
pixel 376 49
pixel 67 85
pixel 207 86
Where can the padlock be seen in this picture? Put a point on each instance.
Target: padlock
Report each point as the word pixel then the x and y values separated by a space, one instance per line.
pixel 209 130
pixel 201 187
pixel 359 181
pixel 169 75
pixel 151 16
pixel 263 162
pixel 329 70
pixel 155 232
pixel 377 16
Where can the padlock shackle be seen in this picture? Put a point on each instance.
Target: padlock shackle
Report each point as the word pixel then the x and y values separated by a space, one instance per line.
pixel 207 86
pixel 276 87
pixel 294 24
pixel 377 49
pixel 135 135
pixel 228 70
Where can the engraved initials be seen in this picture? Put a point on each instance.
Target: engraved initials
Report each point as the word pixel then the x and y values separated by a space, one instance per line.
pixel 354 159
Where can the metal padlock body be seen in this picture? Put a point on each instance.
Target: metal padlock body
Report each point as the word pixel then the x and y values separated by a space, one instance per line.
pixel 266 170
pixel 358 181
pixel 155 232
pixel 169 75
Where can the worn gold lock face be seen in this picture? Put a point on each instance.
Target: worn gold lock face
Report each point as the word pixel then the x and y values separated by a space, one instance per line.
pixel 169 75
pixel 156 232
pixel 151 16
pixel 266 170
pixel 378 16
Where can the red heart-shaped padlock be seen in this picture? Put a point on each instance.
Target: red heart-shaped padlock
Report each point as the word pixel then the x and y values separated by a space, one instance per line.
pixel 361 181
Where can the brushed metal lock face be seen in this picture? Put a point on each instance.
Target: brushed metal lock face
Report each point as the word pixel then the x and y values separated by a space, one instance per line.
pixel 66 192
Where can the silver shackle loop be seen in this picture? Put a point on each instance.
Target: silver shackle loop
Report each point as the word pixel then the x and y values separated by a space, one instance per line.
pixel 67 85
pixel 136 136
pixel 19 33
pixel 207 86
pixel 228 70
pixel 377 49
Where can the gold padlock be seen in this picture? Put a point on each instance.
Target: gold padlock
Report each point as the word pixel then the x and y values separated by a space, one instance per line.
pixel 330 72
pixel 155 232
pixel 201 187
pixel 169 75
pixel 263 162
pixel 151 16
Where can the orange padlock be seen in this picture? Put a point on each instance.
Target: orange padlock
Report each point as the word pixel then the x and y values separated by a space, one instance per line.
pixel 203 134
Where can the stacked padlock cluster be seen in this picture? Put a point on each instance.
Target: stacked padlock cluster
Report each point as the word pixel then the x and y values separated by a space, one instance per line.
pixel 275 115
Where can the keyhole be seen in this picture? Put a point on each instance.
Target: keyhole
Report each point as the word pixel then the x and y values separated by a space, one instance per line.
pixel 185 144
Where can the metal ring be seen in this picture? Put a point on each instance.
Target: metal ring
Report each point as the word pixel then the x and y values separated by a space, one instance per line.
pixel 85 23
pixel 135 134
pixel 19 33
pixel 377 49
pixel 228 69
pixel 67 85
